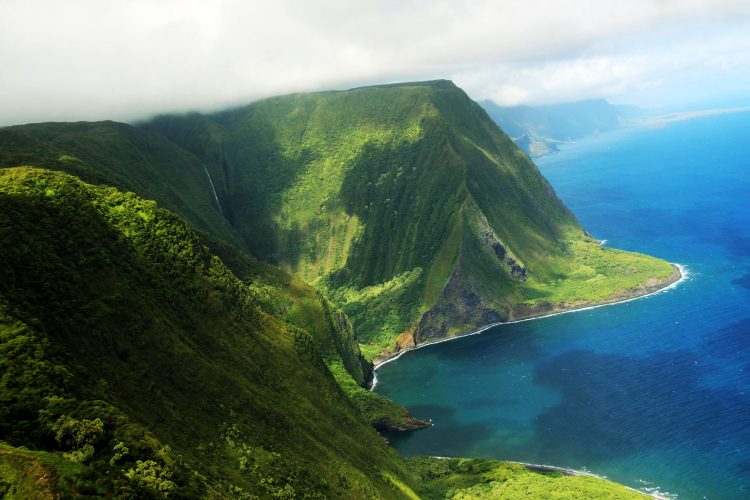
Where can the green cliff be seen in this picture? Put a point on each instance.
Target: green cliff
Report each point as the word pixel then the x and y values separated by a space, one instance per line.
pixel 407 206
pixel 221 348
pixel 404 204
pixel 135 363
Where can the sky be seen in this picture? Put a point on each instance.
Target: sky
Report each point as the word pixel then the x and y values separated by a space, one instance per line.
pixel 130 59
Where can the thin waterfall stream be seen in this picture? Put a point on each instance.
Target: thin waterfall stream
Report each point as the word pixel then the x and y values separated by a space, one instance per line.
pixel 213 188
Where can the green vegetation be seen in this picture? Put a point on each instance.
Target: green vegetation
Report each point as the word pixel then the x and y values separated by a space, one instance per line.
pixel 138 363
pixel 302 306
pixel 596 274
pixel 404 204
pixel 381 412
pixel 143 356
pixel 458 478
pixel 129 159
pixel 28 474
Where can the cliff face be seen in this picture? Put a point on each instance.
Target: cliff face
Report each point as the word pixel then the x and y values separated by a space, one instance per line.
pixel 134 362
pixel 145 356
pixel 404 204
pixel 372 194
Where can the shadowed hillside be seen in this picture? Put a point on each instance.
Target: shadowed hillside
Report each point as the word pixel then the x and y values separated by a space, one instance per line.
pixel 407 205
pixel 147 357
pixel 404 204
pixel 143 367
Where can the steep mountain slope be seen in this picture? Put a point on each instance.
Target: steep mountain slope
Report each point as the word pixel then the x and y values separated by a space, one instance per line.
pixel 404 204
pixel 479 478
pixel 133 359
pixel 302 306
pixel 144 367
pixel 124 157
pixel 407 205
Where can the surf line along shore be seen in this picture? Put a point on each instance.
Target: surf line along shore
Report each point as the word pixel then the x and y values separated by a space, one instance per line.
pixel 679 276
pixel 653 492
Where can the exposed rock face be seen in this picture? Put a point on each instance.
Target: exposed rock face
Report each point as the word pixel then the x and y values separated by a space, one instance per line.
pixel 406 340
pixel 500 250
pixel 517 270
pixel 458 302
pixel 407 424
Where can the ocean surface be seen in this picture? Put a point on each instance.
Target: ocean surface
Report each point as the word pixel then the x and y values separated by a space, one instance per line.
pixel 652 393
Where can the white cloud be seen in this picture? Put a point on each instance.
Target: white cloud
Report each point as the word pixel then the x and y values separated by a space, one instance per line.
pixel 556 81
pixel 94 59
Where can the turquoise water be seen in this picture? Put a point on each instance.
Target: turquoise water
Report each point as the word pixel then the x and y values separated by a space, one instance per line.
pixel 652 393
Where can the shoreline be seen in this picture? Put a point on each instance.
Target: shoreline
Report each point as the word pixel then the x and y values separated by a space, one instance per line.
pixel 575 472
pixel 681 275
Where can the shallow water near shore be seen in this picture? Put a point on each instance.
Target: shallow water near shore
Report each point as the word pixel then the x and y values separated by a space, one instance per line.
pixel 652 393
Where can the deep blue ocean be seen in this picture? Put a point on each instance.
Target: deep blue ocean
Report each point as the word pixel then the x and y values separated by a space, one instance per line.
pixel 652 393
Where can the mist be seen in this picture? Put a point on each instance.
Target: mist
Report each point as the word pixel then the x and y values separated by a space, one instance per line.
pixel 91 60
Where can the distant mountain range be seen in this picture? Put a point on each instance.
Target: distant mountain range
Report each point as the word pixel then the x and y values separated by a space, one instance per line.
pixel 538 130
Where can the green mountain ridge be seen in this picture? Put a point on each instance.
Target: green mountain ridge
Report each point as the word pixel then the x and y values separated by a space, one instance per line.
pixel 136 365
pixel 123 335
pixel 407 206
pixel 122 156
pixel 226 354
pixel 404 204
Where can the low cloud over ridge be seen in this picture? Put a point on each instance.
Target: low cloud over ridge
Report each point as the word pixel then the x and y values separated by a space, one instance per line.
pixel 124 60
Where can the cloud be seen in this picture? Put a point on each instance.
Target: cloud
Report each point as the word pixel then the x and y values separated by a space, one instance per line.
pixel 557 81
pixel 94 59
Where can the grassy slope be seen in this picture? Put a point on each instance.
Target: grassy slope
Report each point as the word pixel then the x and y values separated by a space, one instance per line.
pixel 394 199
pixel 389 198
pixel 404 204
pixel 148 164
pixel 28 474
pixel 135 363
pixel 125 340
pixel 478 478
pixel 301 305
pixel 129 159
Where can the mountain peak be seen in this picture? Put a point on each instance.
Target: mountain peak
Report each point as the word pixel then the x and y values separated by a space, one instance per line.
pixel 407 205
pixel 435 84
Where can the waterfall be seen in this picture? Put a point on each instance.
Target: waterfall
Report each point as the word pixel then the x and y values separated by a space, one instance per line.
pixel 216 197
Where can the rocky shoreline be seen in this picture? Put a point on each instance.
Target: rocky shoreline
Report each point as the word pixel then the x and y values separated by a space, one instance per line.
pixel 650 288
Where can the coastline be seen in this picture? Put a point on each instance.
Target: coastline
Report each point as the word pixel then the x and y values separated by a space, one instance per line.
pixel 575 472
pixel 688 115
pixel 674 280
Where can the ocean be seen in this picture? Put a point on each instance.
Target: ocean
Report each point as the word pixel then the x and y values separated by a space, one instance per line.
pixel 652 393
